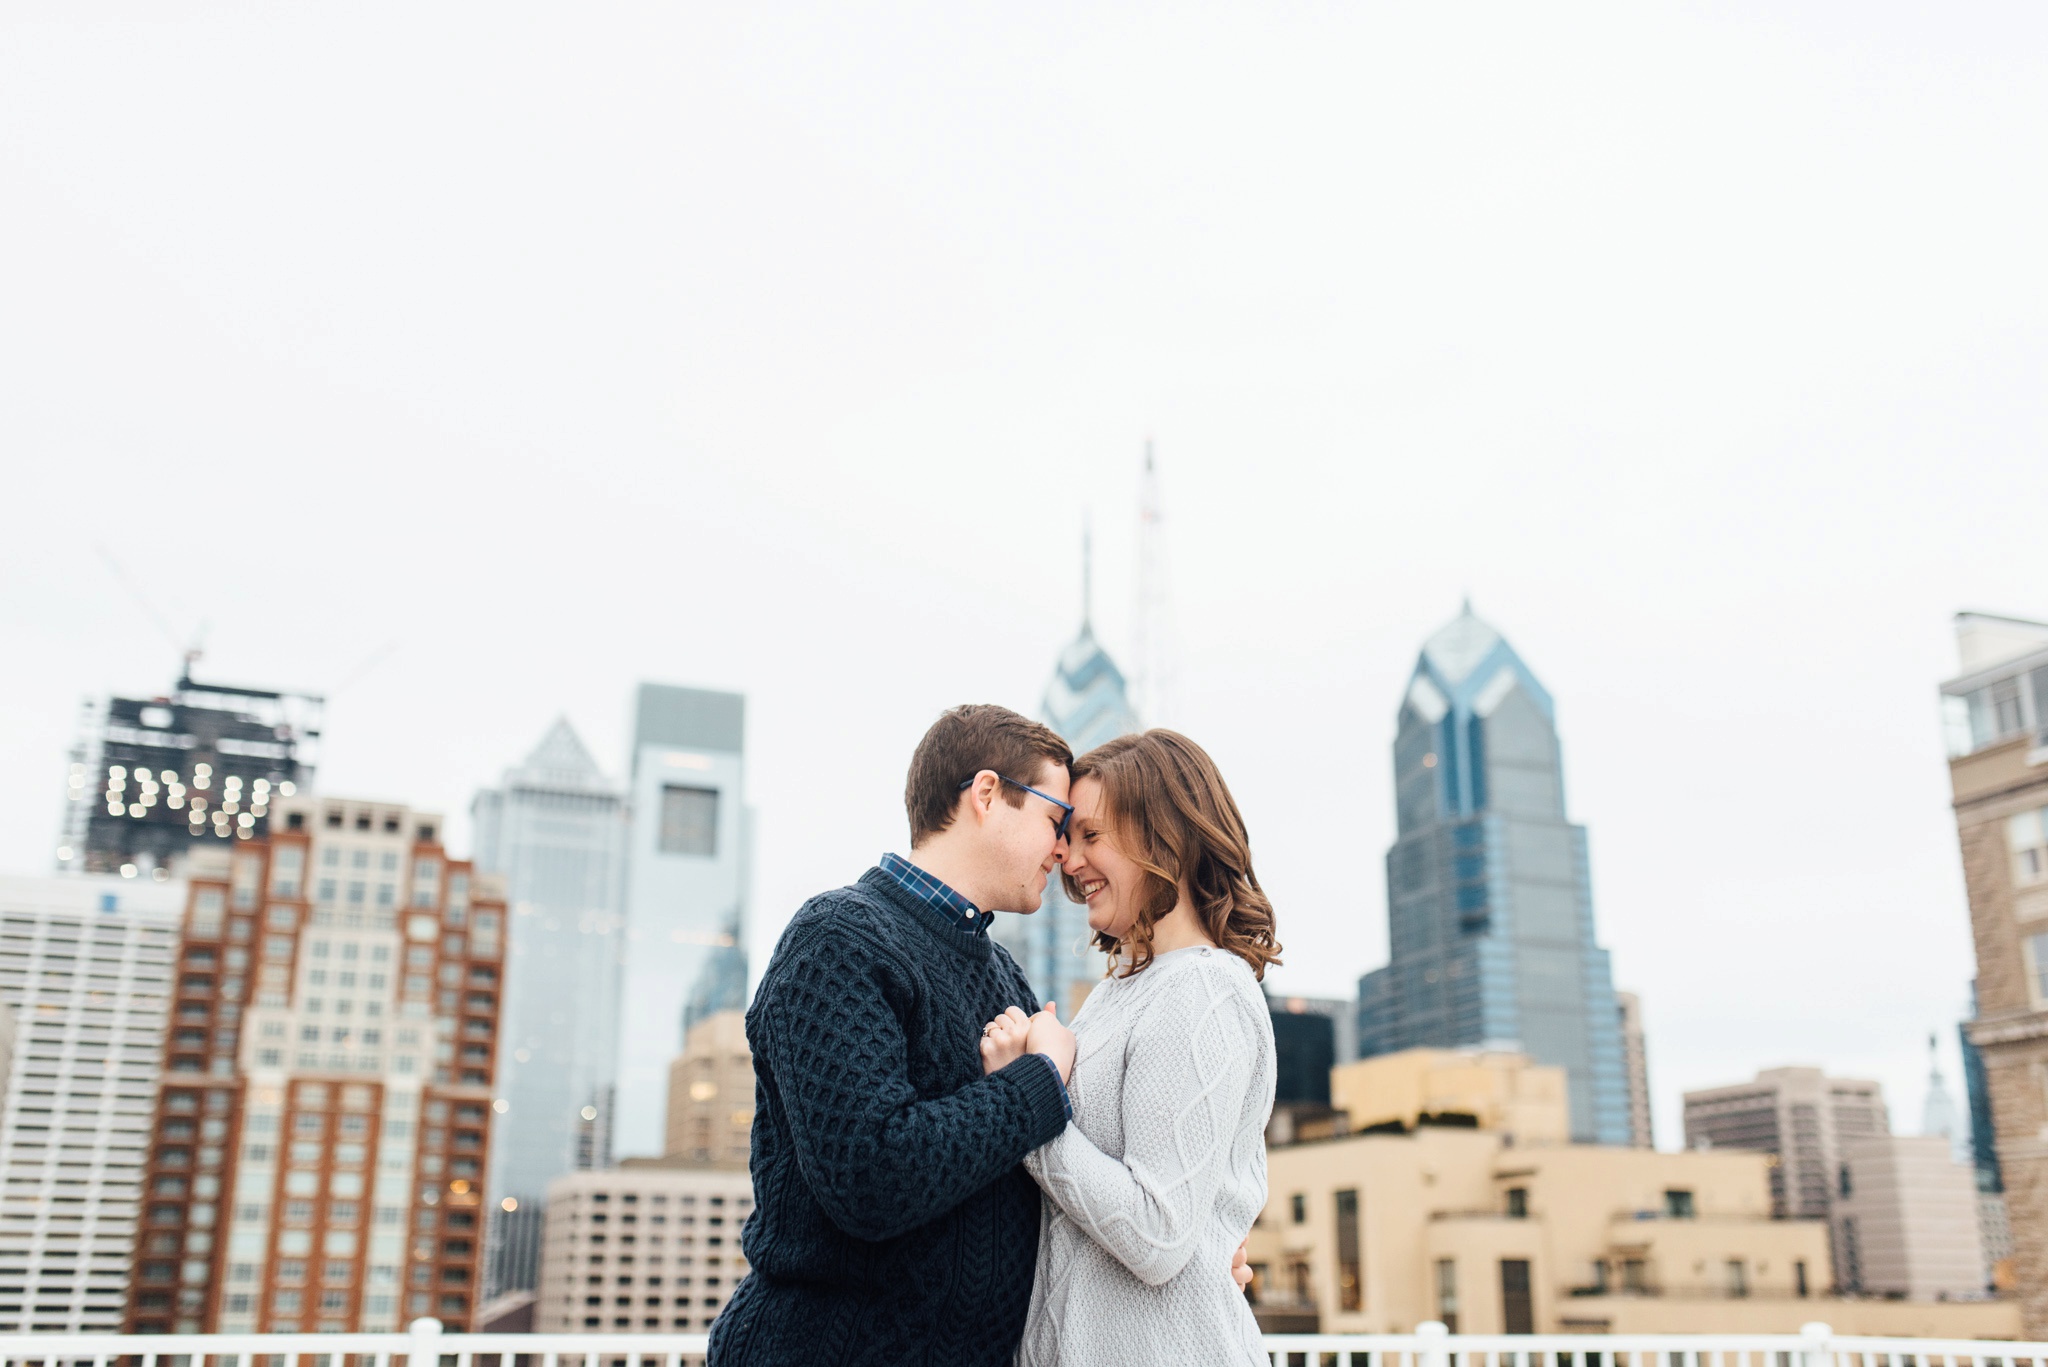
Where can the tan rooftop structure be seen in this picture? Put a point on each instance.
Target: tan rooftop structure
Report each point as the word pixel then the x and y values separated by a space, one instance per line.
pixel 1476 1088
pixel 1376 1233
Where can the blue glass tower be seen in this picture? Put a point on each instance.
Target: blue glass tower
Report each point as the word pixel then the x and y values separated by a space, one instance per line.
pixel 1087 703
pixel 1489 900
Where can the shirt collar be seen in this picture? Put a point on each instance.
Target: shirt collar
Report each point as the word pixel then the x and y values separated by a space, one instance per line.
pixel 958 911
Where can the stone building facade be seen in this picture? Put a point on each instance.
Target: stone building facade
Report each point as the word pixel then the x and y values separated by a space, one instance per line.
pixel 1997 718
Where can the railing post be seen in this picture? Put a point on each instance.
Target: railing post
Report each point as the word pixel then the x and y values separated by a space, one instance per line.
pixel 1818 1348
pixel 1432 1344
pixel 425 1348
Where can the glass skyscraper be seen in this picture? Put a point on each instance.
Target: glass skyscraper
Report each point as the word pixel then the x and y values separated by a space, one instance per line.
pixel 687 865
pixel 1489 901
pixel 555 828
pixel 1087 704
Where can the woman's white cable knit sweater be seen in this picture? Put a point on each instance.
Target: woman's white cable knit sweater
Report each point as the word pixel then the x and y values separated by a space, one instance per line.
pixel 1158 1177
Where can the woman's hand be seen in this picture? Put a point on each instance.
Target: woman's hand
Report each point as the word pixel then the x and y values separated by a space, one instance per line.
pixel 1055 1041
pixel 1003 1039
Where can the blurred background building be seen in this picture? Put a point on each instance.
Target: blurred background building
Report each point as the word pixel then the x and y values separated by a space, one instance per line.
pixel 1905 1220
pixel 555 830
pixel 688 851
pixel 324 1122
pixel 85 978
pixel 1635 1063
pixel 1799 1115
pixel 682 1225
pixel 1996 718
pixel 1489 898
pixel 151 777
pixel 711 1095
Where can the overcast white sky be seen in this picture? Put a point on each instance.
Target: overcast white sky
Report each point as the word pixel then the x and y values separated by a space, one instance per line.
pixel 522 352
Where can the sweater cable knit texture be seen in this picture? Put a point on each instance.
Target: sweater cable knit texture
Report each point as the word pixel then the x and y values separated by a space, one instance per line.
pixel 892 1222
pixel 1160 1175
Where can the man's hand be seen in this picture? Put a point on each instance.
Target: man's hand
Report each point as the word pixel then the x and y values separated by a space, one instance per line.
pixel 1240 1265
pixel 1002 1040
pixel 1047 1036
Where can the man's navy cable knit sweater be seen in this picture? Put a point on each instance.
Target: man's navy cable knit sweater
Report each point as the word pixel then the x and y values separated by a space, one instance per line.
pixel 892 1222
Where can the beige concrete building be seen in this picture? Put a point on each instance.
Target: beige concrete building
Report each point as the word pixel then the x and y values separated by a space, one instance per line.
pixel 1905 1218
pixel 1799 1115
pixel 711 1094
pixel 1374 1233
pixel 1490 1089
pixel 1635 1064
pixel 648 1245
pixel 1997 715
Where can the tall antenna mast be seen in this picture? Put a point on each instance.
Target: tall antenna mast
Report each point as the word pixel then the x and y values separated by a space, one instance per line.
pixel 1152 644
pixel 1087 572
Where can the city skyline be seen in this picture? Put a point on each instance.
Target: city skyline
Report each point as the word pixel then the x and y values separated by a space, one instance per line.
pixel 1664 1096
pixel 1699 346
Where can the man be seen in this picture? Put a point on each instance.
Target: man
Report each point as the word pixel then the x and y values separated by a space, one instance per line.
pixel 892 1220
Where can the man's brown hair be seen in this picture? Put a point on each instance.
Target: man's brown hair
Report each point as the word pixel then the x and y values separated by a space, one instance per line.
pixel 963 742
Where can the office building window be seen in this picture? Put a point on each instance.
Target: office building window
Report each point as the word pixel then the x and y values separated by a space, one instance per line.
pixel 2037 967
pixel 1799 1277
pixel 689 820
pixel 1447 1293
pixel 1518 1203
pixel 1297 1205
pixel 1678 1205
pixel 2029 850
pixel 1350 1284
pixel 1517 1312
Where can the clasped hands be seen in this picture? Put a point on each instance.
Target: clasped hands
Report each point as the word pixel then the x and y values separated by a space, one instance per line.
pixel 1013 1034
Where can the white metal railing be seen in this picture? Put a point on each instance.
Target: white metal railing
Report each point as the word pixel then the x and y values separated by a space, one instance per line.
pixel 425 1345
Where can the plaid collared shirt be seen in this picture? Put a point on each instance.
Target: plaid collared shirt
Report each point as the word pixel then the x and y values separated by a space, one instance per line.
pixel 935 894
pixel 963 913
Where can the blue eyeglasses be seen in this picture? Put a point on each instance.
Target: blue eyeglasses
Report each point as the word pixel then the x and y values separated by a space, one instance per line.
pixel 1066 811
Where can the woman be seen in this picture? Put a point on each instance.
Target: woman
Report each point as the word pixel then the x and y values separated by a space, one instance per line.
pixel 1163 1169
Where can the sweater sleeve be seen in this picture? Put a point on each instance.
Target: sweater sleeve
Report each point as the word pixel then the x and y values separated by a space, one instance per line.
pixel 879 1159
pixel 1191 1062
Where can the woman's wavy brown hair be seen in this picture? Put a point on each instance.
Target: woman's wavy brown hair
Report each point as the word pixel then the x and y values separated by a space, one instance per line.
pixel 1169 810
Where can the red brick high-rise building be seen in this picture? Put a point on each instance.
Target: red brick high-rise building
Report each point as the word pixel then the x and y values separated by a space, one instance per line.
pixel 323 1121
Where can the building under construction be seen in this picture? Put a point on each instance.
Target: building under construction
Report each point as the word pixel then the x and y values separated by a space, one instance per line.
pixel 151 777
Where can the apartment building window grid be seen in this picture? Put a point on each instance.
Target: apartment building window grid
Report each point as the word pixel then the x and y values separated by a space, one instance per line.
pixel 88 992
pixel 351 1188
pixel 639 1252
